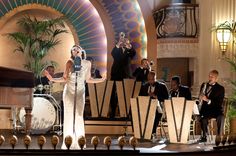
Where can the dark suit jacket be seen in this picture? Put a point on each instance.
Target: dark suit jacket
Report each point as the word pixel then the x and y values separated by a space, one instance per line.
pixel 183 91
pixel 215 108
pixel 160 91
pixel 121 63
pixel 141 74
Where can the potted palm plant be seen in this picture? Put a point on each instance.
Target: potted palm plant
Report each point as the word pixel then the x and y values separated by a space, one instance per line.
pixel 230 27
pixel 232 101
pixel 35 40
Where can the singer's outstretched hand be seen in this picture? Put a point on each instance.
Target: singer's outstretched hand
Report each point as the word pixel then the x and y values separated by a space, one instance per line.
pixel 46 73
pixel 96 80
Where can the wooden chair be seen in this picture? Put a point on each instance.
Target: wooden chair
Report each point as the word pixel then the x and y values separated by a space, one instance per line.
pixel 212 122
pixel 192 128
pixel 163 123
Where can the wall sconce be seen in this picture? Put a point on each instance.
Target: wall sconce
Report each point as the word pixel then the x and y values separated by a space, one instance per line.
pixel 223 36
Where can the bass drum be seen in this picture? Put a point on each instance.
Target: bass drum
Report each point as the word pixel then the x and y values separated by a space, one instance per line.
pixel 43 115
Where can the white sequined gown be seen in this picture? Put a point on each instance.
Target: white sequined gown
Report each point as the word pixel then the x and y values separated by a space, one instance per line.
pixel 68 99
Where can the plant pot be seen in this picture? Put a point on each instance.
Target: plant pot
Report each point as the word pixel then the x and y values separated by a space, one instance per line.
pixel 233 125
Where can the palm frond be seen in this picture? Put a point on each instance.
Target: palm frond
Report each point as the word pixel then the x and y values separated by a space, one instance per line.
pixel 25 22
pixel 36 39
pixel 21 38
pixel 233 83
pixel 232 63
pixel 59 31
pixel 57 22
pixel 19 49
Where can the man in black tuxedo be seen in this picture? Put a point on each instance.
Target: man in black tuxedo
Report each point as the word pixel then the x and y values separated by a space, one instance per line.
pixel 156 90
pixel 95 73
pixel 178 90
pixel 211 104
pixel 142 71
pixel 122 54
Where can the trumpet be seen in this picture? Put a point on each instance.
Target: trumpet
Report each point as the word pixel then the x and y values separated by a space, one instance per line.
pixel 124 42
pixel 122 35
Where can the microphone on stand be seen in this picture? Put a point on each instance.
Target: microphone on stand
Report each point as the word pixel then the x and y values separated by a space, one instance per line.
pixel 77 64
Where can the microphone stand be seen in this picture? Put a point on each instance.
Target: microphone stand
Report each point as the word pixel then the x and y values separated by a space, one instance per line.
pixel 75 99
pixel 77 68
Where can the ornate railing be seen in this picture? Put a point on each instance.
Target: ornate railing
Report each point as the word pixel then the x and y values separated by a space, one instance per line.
pixel 177 20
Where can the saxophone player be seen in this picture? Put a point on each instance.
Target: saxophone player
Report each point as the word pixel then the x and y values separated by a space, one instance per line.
pixel 212 96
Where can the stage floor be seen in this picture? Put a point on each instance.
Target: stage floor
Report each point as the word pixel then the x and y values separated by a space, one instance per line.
pixel 143 148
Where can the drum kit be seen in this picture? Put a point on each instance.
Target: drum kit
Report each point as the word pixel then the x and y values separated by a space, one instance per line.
pixel 46 110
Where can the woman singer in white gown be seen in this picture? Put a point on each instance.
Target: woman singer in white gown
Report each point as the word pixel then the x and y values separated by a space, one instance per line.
pixel 74 128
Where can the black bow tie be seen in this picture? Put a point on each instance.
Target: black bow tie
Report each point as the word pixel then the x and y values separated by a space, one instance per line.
pixel 152 85
pixel 175 93
pixel 210 85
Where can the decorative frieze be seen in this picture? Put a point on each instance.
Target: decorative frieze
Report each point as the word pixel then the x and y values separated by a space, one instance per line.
pixel 177 47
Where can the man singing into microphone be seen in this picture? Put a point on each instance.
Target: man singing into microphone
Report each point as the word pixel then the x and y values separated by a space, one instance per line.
pixel 212 104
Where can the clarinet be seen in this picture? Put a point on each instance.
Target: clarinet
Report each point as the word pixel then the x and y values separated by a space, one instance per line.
pixel 202 92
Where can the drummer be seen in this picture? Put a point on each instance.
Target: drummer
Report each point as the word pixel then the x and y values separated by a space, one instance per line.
pixel 42 83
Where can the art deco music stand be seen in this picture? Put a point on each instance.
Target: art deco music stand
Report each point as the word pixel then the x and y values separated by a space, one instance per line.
pixel 143 110
pixel 179 118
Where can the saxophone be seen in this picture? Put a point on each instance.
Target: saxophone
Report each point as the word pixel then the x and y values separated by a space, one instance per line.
pixel 202 93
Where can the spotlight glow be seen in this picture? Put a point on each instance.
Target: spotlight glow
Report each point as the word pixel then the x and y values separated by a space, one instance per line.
pixel 87 1
pixel 137 6
pixel 145 38
pixel 144 54
pixel 95 12
pixel 104 41
pixel 101 27
pixel 142 22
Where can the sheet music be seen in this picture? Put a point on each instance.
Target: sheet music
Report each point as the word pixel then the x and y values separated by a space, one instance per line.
pixel 195 109
pixel 159 109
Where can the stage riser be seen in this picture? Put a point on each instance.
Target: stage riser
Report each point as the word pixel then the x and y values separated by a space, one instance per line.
pixel 107 127
pixel 5 116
